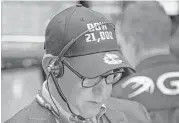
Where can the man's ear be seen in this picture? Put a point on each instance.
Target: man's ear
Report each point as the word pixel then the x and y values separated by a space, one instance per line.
pixel 45 62
pixel 118 32
pixel 118 27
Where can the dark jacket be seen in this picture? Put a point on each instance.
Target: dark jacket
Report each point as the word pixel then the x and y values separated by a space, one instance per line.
pixel 159 95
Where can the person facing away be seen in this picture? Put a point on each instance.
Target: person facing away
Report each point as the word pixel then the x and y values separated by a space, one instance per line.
pixel 174 43
pixel 143 34
pixel 81 61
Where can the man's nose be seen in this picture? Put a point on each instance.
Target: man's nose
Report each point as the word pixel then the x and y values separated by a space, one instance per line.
pixel 99 88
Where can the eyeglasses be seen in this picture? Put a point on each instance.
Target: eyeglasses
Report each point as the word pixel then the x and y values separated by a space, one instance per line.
pixel 110 77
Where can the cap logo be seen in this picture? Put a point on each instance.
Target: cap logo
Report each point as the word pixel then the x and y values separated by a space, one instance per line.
pixel 112 59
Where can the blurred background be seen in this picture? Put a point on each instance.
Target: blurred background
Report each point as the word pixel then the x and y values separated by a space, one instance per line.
pixel 22 36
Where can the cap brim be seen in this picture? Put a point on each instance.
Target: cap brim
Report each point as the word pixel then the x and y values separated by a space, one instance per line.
pixel 97 64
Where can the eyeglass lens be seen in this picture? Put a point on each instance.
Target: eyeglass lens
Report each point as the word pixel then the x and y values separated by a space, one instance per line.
pixel 110 79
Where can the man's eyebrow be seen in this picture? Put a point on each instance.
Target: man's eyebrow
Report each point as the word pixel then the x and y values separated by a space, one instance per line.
pixel 114 71
pixel 118 70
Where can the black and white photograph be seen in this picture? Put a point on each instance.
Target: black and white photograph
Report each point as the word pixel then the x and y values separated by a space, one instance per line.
pixel 96 61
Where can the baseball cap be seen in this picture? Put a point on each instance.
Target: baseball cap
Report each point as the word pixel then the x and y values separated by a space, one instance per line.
pixel 95 50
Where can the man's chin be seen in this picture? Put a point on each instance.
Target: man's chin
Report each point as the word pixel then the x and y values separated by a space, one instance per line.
pixel 88 112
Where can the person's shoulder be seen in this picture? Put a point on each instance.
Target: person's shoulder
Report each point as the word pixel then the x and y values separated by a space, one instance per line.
pixel 163 73
pixel 33 113
pixel 158 70
pixel 148 80
pixel 151 86
pixel 174 43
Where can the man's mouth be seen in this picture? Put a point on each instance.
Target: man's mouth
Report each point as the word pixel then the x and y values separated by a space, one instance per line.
pixel 94 102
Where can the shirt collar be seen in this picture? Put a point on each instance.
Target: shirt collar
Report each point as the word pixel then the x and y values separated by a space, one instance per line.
pixel 155 61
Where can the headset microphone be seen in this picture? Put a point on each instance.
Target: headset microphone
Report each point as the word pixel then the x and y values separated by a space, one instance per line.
pixel 50 69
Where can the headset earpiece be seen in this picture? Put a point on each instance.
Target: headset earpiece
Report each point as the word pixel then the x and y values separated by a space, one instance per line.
pixel 59 73
pixel 57 68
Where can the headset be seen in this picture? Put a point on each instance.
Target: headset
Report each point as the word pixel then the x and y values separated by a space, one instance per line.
pixel 56 69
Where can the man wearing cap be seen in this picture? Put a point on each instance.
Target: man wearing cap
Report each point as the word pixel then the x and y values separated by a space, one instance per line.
pixel 145 29
pixel 82 61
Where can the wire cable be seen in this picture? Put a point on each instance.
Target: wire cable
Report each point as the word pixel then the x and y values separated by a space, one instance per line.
pixel 51 95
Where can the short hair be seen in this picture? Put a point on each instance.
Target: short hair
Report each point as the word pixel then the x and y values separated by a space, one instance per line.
pixel 147 23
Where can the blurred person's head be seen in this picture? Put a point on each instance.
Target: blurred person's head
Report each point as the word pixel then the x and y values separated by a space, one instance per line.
pixel 85 3
pixel 85 59
pixel 174 43
pixel 143 32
